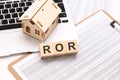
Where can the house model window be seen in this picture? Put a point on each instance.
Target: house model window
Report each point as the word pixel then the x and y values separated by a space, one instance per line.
pixel 37 32
pixel 40 19
pixel 27 29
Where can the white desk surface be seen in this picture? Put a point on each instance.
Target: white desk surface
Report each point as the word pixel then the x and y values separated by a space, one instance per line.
pixel 6 75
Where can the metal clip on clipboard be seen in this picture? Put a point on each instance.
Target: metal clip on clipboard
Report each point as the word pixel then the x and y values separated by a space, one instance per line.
pixel 115 25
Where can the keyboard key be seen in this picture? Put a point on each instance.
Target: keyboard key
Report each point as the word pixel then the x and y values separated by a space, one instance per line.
pixel 1 6
pixel 19 9
pixel 56 1
pixel 4 21
pixel 1 16
pixel 2 2
pixel 25 8
pixel 11 20
pixel 11 10
pixel 9 2
pixel 59 20
pixel 16 1
pixel 30 0
pixel 23 0
pixel 14 15
pixel 22 4
pixel 28 3
pixel 4 11
pixel 15 5
pixel 17 20
pixel 64 21
pixel 7 5
pixel 61 6
pixel 62 15
pixel 20 14
pixel 0 11
pixel 7 16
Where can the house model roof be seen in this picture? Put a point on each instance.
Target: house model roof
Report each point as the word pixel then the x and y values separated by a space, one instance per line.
pixel 42 13
pixel 33 9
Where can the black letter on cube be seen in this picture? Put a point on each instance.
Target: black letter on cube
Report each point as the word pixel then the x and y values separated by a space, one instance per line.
pixel 71 45
pixel 57 47
pixel 46 49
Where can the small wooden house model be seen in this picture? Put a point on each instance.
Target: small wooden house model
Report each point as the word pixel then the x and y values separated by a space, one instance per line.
pixel 40 19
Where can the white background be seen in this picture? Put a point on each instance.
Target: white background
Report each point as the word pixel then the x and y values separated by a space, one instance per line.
pixel 6 75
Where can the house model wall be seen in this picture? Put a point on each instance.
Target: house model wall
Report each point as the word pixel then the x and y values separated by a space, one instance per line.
pixel 40 19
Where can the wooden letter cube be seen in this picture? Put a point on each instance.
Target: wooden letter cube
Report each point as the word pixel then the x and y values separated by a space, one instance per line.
pixel 58 48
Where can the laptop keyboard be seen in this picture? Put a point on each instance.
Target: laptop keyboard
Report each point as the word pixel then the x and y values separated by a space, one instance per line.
pixel 63 14
pixel 10 11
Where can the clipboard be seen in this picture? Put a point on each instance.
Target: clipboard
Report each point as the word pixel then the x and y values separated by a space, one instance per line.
pixel 11 69
pixel 112 24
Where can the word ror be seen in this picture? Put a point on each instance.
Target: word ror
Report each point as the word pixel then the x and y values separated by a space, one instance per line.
pixel 58 48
